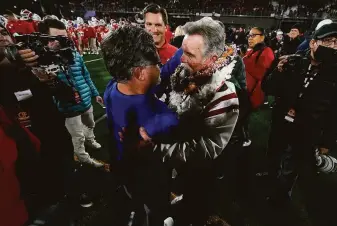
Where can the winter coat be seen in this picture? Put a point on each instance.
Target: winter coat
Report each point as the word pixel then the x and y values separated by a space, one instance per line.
pixel 12 208
pixel 79 78
pixel 257 62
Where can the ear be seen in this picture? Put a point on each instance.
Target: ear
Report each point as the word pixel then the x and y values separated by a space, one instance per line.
pixel 139 73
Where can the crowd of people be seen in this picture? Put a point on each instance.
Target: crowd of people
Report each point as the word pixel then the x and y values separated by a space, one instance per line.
pixel 264 8
pixel 178 109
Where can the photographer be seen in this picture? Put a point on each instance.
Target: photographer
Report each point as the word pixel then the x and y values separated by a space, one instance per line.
pixel 29 103
pixel 304 119
pixel 78 110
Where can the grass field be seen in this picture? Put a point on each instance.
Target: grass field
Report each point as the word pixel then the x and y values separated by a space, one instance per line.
pixel 255 211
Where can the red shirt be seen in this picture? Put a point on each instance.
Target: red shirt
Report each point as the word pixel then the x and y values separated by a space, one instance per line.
pixel 12 209
pixel 90 32
pixel 255 72
pixel 168 35
pixel 166 52
pixel 20 26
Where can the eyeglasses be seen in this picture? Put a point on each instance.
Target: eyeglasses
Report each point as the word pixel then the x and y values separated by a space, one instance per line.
pixel 329 42
pixel 253 35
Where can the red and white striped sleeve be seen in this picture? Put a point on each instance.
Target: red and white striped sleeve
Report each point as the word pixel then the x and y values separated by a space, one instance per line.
pixel 220 117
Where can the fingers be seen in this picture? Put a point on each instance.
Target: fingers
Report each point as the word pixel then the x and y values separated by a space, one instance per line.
pixel 29 57
pixel 121 134
pixel 144 134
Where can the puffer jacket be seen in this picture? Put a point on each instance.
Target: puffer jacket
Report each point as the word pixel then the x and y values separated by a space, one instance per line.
pixel 80 78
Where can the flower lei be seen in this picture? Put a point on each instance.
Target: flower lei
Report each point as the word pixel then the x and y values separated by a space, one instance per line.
pixel 183 102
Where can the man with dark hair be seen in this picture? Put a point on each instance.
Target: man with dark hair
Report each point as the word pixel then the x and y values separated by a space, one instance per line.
pixel 78 112
pixel 156 22
pixel 132 60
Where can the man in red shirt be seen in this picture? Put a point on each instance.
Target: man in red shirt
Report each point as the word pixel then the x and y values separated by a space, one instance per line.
pixel 91 34
pixel 16 26
pixel 156 22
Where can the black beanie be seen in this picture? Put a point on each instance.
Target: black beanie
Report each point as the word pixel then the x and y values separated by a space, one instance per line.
pixel 297 26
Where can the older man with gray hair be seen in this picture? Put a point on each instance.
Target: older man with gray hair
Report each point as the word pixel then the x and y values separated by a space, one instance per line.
pixel 207 107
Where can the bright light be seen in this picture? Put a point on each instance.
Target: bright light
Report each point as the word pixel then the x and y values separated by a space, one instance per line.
pixel 15 7
pixel 35 0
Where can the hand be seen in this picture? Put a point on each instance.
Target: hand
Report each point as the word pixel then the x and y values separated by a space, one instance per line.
pixel 323 151
pixel 146 142
pixel 99 100
pixel 29 57
pixel 283 60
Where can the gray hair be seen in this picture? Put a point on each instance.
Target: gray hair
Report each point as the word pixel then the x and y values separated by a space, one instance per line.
pixel 212 33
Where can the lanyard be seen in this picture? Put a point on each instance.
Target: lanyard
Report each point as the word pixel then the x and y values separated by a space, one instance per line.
pixel 309 78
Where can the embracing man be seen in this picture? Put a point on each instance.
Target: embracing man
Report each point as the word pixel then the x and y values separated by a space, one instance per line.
pixel 196 125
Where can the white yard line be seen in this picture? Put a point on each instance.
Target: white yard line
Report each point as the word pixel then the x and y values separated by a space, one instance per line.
pixel 93 60
pixel 101 118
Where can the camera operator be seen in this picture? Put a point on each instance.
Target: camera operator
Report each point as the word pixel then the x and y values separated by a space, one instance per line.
pixel 28 102
pixel 304 119
pixel 78 112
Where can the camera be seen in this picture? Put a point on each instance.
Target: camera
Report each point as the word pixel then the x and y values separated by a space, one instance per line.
pixel 49 59
pixel 295 63
pixel 326 163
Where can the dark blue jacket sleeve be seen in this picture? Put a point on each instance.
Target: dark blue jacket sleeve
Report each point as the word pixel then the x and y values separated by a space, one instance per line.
pixel 303 46
pixel 163 123
pixel 166 71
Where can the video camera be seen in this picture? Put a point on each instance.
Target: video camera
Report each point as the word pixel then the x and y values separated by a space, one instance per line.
pixel 49 59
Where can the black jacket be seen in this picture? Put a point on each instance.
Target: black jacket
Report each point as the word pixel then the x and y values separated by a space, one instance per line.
pixel 316 110
pixel 47 124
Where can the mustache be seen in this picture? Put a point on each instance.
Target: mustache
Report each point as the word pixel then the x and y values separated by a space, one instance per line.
pixel 181 77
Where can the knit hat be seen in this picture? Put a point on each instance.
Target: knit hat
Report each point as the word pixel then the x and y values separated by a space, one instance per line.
pixel 297 26
pixel 279 32
pixel 326 31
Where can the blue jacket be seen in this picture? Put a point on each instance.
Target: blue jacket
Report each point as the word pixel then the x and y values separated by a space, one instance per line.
pixel 80 78
pixel 142 110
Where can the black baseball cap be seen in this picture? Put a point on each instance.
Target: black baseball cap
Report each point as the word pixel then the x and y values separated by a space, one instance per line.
pixel 326 30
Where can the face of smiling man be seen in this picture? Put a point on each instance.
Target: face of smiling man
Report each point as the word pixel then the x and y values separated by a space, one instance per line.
pixel 155 24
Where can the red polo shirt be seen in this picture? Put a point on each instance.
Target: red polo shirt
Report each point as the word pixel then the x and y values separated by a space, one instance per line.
pixel 166 52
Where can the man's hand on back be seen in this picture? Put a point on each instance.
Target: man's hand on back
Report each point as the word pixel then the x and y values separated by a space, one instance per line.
pixel 132 142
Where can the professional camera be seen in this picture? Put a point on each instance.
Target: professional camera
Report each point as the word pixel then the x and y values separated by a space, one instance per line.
pixel 295 62
pixel 326 163
pixel 49 59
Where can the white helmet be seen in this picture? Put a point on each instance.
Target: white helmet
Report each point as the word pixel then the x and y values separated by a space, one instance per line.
pixel 26 14
pixel 51 17
pixel 102 22
pixel 3 20
pixel 322 23
pixel 36 17
pixel 279 32
pixel 94 19
pixel 79 20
